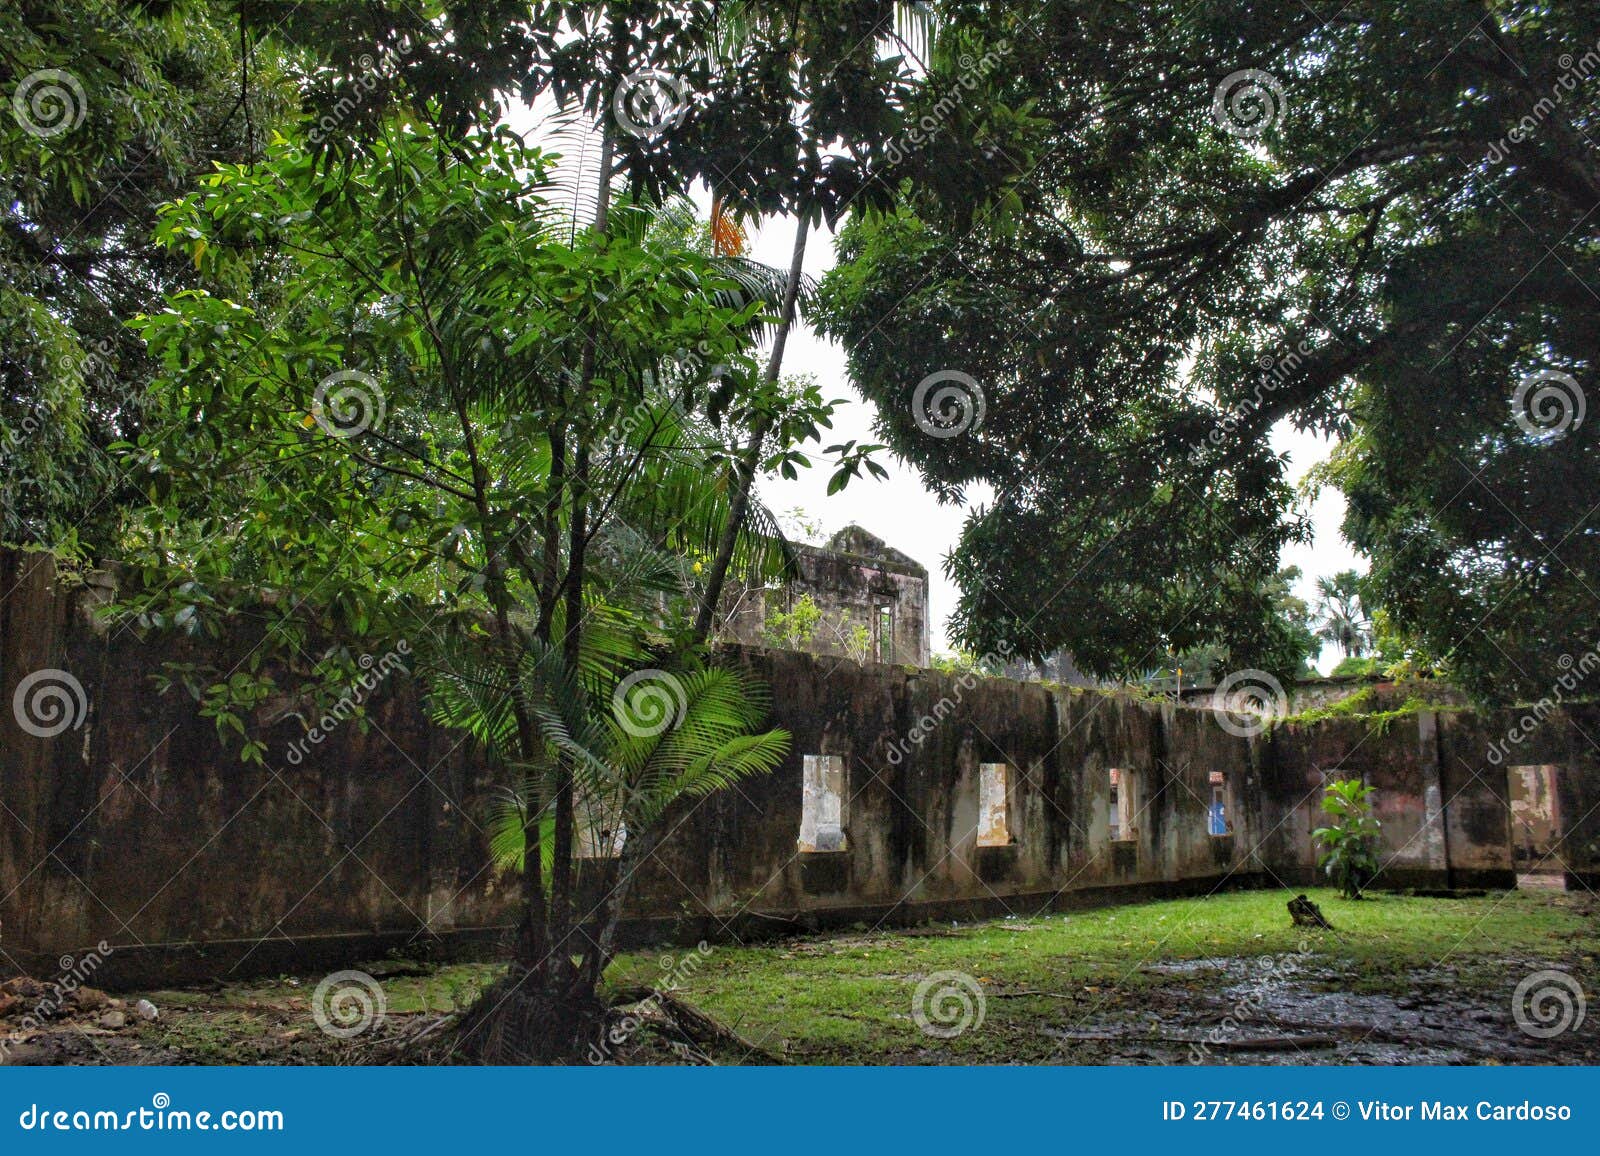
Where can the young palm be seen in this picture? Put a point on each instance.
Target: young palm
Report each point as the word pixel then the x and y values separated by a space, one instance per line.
pixel 636 740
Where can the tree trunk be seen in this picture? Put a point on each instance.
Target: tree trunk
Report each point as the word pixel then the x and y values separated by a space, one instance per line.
pixel 544 1010
pixel 572 640
pixel 744 475
pixel 636 849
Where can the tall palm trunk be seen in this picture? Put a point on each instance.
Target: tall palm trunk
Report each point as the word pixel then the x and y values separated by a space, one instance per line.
pixel 744 474
pixel 578 531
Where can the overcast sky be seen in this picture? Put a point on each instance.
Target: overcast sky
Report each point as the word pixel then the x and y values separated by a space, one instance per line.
pixel 907 517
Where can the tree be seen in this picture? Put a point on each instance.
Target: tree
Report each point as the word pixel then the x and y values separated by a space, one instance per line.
pixel 1345 622
pixel 829 74
pixel 1288 653
pixel 382 442
pixel 637 748
pixel 1237 221
pixel 109 110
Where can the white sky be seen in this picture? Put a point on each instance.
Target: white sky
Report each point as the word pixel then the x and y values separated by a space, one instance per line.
pixel 906 516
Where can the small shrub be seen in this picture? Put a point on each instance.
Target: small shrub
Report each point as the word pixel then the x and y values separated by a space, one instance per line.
pixel 1349 845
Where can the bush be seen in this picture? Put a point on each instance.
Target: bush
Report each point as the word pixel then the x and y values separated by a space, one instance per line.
pixel 1349 847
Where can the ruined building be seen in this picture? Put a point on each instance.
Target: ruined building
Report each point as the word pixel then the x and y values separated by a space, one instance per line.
pixel 872 603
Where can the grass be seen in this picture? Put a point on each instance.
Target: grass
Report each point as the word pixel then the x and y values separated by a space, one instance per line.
pixel 1083 987
pixel 848 998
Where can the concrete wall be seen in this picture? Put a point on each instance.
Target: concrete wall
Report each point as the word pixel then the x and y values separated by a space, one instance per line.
pixel 139 827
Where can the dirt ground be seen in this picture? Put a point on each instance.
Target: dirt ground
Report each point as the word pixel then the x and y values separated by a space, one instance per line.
pixel 1228 980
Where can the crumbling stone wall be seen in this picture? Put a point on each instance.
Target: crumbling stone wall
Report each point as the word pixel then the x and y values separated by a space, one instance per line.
pixel 135 825
pixel 852 580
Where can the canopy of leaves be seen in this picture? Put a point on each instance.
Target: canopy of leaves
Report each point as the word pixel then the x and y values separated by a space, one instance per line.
pixel 1379 241
pixel 110 110
pixel 391 413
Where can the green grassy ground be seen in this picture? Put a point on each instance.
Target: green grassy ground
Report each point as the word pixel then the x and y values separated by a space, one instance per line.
pixel 1398 980
pixel 849 998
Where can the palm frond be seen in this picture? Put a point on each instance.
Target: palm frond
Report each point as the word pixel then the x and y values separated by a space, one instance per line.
pixel 575 181
pixel 758 283
pixel 506 822
pixel 916 26
pixel 468 692
pixel 707 746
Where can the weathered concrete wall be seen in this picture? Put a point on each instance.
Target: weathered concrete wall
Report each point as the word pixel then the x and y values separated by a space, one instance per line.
pixel 1431 806
pixel 138 826
pixel 1565 740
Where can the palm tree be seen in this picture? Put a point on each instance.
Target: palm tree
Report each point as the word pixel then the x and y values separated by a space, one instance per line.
pixel 1345 622
pixel 632 740
pixel 911 31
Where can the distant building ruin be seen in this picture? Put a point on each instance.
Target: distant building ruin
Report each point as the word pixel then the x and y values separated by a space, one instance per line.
pixel 871 599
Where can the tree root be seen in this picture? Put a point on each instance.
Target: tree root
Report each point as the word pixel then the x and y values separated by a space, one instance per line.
pixel 516 1021
pixel 704 1031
